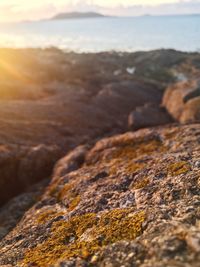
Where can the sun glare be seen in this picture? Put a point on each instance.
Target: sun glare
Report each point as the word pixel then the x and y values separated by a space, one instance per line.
pixel 11 62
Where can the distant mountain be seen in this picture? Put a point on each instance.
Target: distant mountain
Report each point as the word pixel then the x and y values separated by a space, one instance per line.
pixel 77 15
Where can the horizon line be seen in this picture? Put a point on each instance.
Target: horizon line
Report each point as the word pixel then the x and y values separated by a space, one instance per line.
pixel 103 16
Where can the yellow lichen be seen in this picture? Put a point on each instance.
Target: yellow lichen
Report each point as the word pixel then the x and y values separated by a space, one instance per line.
pixel 84 235
pixel 47 216
pixel 74 203
pixel 69 194
pixel 141 183
pixel 66 191
pixel 133 150
pixel 52 190
pixel 122 158
pixel 178 168
pixel 128 167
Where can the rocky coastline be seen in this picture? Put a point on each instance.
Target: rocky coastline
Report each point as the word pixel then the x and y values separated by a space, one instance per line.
pixel 99 157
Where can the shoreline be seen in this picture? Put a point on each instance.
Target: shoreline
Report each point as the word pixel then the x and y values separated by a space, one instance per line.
pixel 111 51
pixel 135 34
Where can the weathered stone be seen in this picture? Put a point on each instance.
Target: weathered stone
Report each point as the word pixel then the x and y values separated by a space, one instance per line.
pixel 129 200
pixel 71 162
pixel 13 211
pixel 22 166
pixel 134 201
pixel 148 115
pixel 182 101
pixel 191 112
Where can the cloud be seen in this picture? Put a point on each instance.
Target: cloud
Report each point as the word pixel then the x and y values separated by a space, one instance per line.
pixel 14 10
pixel 181 7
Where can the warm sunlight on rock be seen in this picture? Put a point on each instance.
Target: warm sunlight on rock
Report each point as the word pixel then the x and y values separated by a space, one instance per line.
pixel 99 133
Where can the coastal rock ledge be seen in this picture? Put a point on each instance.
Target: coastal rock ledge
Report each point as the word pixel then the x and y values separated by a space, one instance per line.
pixel 134 201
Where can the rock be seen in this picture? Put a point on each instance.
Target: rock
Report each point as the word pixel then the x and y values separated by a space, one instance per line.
pixel 71 162
pixel 68 99
pixel 23 166
pixel 148 115
pixel 118 99
pixel 129 200
pixel 182 101
pixel 63 101
pixel 191 112
pixel 38 164
pixel 174 96
pixel 12 212
pixel 134 200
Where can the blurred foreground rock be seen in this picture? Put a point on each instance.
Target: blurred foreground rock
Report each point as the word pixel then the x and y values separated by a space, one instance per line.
pixel 13 211
pixel 22 166
pixel 134 202
pixel 182 101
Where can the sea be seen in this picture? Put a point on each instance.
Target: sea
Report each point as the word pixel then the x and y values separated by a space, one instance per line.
pixel 106 34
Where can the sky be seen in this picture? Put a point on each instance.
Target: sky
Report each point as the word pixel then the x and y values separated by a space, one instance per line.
pixel 19 10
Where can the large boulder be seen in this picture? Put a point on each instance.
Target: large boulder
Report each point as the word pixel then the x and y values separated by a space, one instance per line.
pixel 134 201
pixel 116 100
pixel 148 115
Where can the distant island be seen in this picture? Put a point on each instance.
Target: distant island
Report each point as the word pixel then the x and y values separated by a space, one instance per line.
pixel 77 15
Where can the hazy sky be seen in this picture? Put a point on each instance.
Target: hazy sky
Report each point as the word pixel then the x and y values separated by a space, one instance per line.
pixel 14 10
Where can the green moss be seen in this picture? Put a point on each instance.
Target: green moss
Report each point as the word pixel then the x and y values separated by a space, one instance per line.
pixel 84 235
pixel 178 168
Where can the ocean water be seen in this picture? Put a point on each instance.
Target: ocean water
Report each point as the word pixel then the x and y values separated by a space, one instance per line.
pixel 106 34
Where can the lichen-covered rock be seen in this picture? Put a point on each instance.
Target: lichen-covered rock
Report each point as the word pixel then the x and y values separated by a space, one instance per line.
pixel 134 201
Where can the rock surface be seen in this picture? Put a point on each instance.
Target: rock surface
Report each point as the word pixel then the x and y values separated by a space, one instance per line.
pixel 182 101
pixel 133 202
pixel 13 211
pixel 129 200
pixel 191 112
pixel 22 166
pixel 148 115
pixel 49 98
